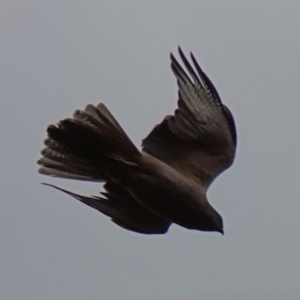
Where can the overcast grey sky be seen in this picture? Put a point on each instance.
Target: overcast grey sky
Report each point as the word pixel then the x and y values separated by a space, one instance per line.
pixel 57 56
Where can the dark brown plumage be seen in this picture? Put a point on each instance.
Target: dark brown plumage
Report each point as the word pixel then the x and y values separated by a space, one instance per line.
pixel 165 183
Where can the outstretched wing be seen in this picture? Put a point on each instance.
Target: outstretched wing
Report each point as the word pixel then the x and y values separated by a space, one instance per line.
pixel 199 140
pixel 123 210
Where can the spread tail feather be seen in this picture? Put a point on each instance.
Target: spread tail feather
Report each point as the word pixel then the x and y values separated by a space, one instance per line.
pixel 90 146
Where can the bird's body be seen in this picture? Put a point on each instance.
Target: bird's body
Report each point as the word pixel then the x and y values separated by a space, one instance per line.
pixel 167 192
pixel 165 183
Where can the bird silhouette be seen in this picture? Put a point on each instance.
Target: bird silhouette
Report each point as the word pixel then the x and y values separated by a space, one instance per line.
pixel 167 182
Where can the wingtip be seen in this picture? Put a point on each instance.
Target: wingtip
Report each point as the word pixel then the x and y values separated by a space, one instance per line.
pixel 192 55
pixel 196 64
pixel 172 57
pixel 56 187
pixel 182 56
pixel 50 185
pixel 179 51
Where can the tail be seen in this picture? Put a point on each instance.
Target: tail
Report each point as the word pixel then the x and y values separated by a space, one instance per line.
pixel 90 146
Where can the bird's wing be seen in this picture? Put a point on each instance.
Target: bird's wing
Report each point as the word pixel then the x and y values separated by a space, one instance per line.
pixel 123 210
pixel 199 140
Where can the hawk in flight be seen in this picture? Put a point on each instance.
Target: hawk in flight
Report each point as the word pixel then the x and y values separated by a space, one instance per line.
pixel 167 182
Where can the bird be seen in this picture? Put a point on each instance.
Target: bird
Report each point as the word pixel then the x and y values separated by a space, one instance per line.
pixel 167 181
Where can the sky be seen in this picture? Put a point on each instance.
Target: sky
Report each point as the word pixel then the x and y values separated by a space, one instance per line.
pixel 58 56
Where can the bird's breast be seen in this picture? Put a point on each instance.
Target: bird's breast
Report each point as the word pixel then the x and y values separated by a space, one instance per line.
pixel 167 192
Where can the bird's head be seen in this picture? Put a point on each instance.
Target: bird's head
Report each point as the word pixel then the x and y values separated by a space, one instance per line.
pixel 211 220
